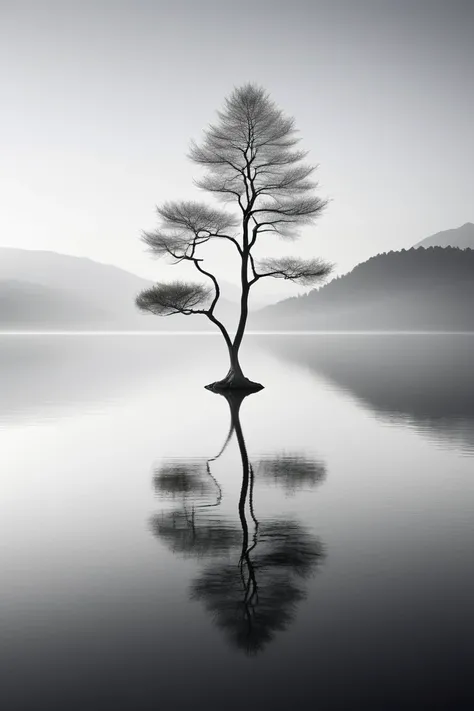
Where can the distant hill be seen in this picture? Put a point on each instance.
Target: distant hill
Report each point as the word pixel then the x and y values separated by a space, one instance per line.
pixel 66 290
pixel 462 237
pixel 47 291
pixel 418 289
pixel 36 306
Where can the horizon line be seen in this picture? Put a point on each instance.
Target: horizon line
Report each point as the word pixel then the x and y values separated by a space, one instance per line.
pixel 248 333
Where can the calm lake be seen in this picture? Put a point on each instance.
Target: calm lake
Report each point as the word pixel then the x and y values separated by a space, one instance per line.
pixel 310 547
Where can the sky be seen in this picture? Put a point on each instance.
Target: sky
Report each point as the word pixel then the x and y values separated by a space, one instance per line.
pixel 100 100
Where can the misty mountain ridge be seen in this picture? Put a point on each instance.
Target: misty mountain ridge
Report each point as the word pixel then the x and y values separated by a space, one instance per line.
pixel 461 237
pixel 39 306
pixel 48 290
pixel 429 288
pixel 417 289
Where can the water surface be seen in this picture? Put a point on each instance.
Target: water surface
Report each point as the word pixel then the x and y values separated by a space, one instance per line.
pixel 310 546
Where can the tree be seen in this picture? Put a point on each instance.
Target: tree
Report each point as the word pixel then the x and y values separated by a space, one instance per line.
pixel 251 163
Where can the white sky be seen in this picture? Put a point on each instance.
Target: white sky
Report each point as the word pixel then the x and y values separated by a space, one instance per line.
pixel 100 100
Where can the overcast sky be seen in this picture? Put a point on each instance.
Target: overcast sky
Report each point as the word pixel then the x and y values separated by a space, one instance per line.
pixel 100 100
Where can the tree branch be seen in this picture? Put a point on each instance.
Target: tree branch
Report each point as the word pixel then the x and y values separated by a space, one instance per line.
pixel 300 271
pixel 174 297
pixel 217 291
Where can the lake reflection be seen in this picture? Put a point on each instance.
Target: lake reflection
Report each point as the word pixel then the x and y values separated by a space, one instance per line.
pixel 425 381
pixel 253 587
pixel 309 546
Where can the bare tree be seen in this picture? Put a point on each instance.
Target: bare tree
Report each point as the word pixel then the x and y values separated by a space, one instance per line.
pixel 252 163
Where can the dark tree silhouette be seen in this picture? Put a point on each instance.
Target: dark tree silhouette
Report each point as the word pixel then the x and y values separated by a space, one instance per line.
pixel 255 594
pixel 253 164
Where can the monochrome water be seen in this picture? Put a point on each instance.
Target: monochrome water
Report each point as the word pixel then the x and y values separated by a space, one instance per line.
pixel 307 546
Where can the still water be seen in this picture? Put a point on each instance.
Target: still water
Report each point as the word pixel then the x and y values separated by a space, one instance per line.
pixel 307 547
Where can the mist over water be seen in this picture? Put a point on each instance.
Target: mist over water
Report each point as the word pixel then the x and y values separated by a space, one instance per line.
pixel 307 547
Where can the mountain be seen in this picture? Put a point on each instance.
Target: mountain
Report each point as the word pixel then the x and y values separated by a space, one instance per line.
pixel 462 237
pixel 46 290
pixel 418 289
pixel 37 306
pixel 427 289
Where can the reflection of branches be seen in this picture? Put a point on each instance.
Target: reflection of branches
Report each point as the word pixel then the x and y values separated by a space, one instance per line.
pixel 226 442
pixel 248 626
pixel 251 507
pixel 292 471
pixel 258 596
pixel 194 534
pixel 251 613
pixel 192 531
pixel 185 477
pixel 181 479
pixel 286 545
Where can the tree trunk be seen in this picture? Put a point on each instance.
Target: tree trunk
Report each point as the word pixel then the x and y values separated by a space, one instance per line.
pixel 235 379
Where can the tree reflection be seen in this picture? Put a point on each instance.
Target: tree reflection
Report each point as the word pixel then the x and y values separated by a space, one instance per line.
pixel 256 580
pixel 190 533
pixel 192 529
pixel 258 597
pixel 181 479
pixel 292 471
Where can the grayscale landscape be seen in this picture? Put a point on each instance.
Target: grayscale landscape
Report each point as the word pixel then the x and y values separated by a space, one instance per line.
pixel 236 356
